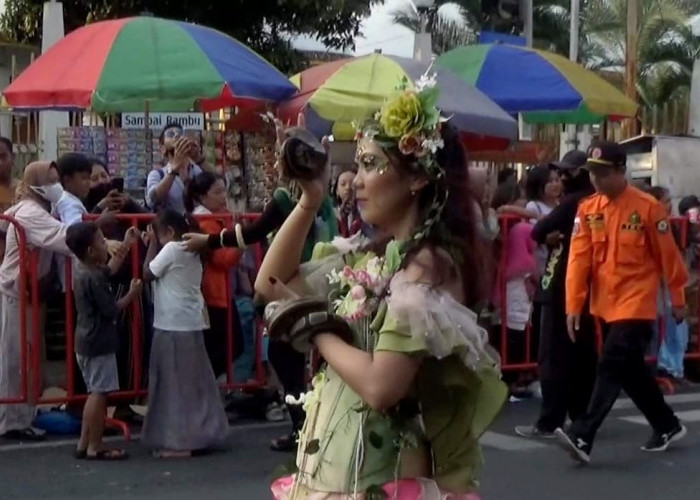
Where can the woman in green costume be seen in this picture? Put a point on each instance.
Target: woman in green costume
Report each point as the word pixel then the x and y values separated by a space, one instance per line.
pixel 399 408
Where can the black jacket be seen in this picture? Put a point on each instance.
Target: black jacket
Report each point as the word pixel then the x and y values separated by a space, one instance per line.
pixel 553 282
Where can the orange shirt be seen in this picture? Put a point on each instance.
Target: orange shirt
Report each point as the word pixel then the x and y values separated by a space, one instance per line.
pixel 621 248
pixel 7 195
pixel 218 267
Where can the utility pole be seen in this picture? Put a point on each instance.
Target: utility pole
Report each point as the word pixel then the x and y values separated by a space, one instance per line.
pixel 574 30
pixel 525 129
pixel 631 59
pixel 527 21
pixel 571 129
pixel 423 43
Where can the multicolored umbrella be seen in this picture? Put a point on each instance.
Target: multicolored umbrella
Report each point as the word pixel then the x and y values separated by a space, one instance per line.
pixel 545 87
pixel 119 65
pixel 337 94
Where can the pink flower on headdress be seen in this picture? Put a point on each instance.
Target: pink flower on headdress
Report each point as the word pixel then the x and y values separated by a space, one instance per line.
pixel 348 272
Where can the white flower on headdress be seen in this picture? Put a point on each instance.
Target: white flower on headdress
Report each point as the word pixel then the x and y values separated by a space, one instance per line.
pixel 426 81
pixel 433 145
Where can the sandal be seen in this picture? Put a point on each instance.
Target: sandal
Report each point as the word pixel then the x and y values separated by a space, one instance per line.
pixel 307 327
pixel 280 316
pixel 107 455
pixel 304 156
pixel 28 434
pixel 286 443
pixel 79 454
pixel 298 321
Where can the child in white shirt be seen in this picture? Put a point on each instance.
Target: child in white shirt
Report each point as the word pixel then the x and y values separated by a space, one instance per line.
pixel 185 412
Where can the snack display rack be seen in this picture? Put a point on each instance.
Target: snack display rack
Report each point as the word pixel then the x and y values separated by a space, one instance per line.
pixel 245 157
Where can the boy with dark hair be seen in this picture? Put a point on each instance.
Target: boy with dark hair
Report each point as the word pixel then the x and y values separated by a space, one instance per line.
pixel 74 170
pixel 96 336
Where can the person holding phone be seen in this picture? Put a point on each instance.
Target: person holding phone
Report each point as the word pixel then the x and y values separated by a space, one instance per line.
pixel 107 193
pixel 166 186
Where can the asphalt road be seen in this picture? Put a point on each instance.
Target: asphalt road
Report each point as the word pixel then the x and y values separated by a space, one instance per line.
pixel 515 468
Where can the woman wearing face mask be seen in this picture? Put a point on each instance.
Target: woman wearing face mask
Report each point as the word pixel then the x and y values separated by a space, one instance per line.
pixel 36 193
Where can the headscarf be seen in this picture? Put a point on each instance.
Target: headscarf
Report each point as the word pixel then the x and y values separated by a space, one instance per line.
pixel 35 174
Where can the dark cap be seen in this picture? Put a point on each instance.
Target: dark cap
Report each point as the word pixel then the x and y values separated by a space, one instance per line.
pixel 606 154
pixel 571 160
pixel 688 202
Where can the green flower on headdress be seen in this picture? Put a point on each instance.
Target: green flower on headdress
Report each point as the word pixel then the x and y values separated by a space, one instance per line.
pixel 402 115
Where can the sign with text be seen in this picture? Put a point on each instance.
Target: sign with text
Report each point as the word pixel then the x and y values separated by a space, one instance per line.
pixel 156 121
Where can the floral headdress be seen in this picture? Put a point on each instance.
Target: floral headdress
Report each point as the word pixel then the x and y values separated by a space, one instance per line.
pixel 411 122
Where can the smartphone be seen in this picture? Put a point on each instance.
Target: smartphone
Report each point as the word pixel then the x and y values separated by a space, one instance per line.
pixel 118 184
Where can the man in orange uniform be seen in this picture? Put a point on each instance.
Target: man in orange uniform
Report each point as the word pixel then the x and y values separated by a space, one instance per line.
pixel 621 247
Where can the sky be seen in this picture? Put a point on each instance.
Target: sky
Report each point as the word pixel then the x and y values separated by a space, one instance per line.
pixel 379 31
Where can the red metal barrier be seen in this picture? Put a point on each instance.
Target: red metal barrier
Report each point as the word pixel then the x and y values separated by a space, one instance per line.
pixel 506 222
pixel 33 366
pixel 25 265
pixel 29 271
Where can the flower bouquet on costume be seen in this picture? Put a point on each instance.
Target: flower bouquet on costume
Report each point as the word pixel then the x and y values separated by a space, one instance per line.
pixel 298 321
pixel 360 288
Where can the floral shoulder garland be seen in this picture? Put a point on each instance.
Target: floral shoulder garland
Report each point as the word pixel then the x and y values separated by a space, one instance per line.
pixel 359 287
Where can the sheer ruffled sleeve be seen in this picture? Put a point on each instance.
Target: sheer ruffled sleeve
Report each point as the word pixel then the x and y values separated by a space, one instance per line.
pixel 327 256
pixel 421 319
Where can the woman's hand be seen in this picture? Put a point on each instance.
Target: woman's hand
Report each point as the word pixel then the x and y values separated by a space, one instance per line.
pixel 114 201
pixel 181 156
pixel 313 191
pixel 131 236
pixel 195 242
pixel 114 247
pixel 148 236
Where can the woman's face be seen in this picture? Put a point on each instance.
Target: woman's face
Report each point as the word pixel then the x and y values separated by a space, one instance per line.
pixel 345 181
pixel 383 194
pixel 51 177
pixel 99 176
pixel 215 199
pixel 553 188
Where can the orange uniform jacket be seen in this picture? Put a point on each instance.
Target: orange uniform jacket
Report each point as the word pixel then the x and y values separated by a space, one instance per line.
pixel 621 248
pixel 217 268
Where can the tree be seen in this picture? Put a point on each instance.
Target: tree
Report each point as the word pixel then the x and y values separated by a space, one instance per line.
pixel 550 24
pixel 666 47
pixel 264 25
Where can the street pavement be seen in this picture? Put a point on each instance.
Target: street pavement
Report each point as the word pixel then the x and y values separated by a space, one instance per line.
pixel 515 468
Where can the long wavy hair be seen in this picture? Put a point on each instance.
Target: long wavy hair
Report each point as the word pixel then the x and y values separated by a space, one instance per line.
pixel 455 230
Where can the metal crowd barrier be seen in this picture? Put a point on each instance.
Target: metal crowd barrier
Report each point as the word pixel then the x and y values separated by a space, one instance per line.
pixel 32 365
pixel 530 361
pixel 32 361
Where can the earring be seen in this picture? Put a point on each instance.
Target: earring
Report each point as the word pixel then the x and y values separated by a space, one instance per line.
pixel 413 193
